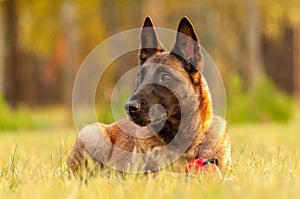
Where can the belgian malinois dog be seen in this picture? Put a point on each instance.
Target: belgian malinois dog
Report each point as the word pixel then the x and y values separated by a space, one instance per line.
pixel 171 108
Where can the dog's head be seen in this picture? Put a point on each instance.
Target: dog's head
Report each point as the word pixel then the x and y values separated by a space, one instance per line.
pixel 166 78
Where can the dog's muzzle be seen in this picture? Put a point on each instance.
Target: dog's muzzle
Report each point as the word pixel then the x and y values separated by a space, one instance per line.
pixel 141 114
pixel 132 106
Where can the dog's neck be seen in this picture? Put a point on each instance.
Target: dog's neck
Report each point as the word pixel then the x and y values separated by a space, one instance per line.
pixel 181 128
pixel 167 130
pixel 192 122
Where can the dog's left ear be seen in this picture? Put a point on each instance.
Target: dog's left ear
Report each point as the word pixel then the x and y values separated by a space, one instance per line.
pixel 150 43
pixel 187 45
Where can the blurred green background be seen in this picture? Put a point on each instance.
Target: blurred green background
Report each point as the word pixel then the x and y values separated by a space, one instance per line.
pixel 255 44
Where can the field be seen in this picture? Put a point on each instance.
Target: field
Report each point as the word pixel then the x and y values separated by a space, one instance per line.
pixel 265 165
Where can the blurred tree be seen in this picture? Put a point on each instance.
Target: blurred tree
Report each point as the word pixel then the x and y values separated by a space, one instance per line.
pixel 253 69
pixel 39 25
pixel 296 50
pixel 117 16
pixel 281 22
pixel 51 32
pixel 14 89
pixel 2 50
pixel 46 40
pixel 155 9
pixel 69 24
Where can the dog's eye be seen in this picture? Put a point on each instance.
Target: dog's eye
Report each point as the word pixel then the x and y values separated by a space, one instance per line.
pixel 165 77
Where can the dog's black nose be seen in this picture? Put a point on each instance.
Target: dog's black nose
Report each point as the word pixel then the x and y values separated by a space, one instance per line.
pixel 132 106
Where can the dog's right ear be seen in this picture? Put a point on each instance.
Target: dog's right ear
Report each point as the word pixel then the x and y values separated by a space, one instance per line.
pixel 150 43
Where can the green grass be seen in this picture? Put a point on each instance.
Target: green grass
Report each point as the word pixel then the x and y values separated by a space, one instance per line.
pixel 24 118
pixel 264 102
pixel 265 165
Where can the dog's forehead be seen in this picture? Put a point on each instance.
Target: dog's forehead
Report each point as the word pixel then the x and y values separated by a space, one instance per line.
pixel 158 58
pixel 166 59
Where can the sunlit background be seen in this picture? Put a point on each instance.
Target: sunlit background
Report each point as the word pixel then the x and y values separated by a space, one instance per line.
pixel 255 44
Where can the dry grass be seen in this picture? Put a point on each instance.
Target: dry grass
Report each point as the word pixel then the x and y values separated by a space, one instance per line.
pixel 265 156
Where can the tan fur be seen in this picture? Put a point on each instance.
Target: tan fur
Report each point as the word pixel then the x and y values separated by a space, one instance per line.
pixel 215 143
pixel 101 141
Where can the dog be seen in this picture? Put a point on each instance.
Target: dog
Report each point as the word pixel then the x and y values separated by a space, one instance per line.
pixel 171 108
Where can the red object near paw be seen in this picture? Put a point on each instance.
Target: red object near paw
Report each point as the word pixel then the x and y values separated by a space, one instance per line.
pixel 202 165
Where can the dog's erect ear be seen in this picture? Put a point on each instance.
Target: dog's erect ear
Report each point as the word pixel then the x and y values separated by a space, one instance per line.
pixel 150 43
pixel 187 45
